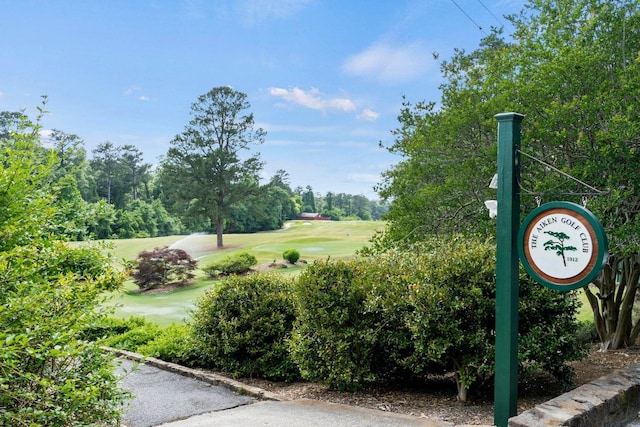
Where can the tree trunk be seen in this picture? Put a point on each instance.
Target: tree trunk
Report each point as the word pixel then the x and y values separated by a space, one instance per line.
pixel 462 390
pixel 219 222
pixel 613 304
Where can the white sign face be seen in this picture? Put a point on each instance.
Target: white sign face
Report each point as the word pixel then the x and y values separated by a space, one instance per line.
pixel 560 245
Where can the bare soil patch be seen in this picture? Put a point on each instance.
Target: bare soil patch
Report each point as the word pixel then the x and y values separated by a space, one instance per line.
pixel 436 399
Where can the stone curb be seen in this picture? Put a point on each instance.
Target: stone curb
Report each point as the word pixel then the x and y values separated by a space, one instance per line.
pixel 208 377
pixel 611 400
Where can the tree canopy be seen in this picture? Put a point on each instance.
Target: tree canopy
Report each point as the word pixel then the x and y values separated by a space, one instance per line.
pixel 204 165
pixel 573 68
pixel 49 295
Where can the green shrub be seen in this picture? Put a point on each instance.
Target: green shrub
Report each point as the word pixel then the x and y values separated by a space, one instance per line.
pixel 351 323
pixel 232 264
pixel 85 261
pixel 424 310
pixel 49 374
pixel 333 338
pixel 549 334
pixel 291 255
pixel 109 326
pixel 133 338
pixel 243 327
pixel 173 344
pixel 42 335
pixel 587 332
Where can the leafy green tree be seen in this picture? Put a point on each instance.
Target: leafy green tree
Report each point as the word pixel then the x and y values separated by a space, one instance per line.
pixel 329 201
pixel 166 224
pixel 204 166
pixel 573 71
pixel 50 293
pixel 288 208
pixel 105 162
pixel 361 207
pixel 69 174
pixel 101 219
pixel 9 121
pixel 378 210
pixel 308 200
pixel 68 148
pixel 264 211
pixel 132 161
pixel 577 82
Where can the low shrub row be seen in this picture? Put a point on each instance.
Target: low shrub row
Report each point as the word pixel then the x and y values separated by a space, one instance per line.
pixel 399 315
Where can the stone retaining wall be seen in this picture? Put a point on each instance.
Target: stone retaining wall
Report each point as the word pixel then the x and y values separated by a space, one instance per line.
pixel 611 401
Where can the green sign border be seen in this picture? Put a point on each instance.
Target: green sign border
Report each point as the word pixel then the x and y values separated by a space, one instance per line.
pixel 599 236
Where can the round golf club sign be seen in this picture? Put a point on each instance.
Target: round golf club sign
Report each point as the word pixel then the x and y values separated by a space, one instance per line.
pixel 562 245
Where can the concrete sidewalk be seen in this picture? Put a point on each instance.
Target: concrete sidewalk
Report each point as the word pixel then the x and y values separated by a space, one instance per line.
pixel 169 395
pixel 307 413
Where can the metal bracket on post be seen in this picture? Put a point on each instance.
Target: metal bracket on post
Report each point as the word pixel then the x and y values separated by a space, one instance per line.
pixel 508 223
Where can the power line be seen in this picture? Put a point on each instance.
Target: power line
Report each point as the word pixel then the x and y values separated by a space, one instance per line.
pixel 491 13
pixel 470 18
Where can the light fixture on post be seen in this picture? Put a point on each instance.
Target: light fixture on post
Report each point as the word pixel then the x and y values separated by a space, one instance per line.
pixel 492 205
pixel 494 182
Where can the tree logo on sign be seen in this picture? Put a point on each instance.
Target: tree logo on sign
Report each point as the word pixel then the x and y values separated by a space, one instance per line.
pixel 558 245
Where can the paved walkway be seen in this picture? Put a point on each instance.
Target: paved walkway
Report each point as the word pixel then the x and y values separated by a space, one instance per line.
pixel 172 396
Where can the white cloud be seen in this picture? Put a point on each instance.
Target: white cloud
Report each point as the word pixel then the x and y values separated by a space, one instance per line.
pixel 1 94
pixel 45 137
pixel 389 64
pixel 313 99
pixel 46 133
pixel 368 115
pixel 143 98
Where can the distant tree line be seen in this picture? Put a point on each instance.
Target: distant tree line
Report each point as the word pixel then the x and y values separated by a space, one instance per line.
pixel 112 192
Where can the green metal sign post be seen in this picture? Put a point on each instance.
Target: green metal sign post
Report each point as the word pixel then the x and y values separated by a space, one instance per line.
pixel 508 223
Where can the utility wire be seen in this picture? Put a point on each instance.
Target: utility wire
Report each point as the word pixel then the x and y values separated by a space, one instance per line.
pixel 491 13
pixel 470 18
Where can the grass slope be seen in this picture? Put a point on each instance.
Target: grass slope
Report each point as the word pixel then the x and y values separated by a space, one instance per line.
pixel 314 240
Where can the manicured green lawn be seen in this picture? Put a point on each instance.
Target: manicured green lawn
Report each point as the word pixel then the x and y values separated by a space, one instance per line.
pixel 314 240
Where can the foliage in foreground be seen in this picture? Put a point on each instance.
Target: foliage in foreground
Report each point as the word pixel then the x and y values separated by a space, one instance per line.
pixel 428 310
pixel 49 374
pixel 243 327
pixel 400 314
pixel 571 67
pixel 173 343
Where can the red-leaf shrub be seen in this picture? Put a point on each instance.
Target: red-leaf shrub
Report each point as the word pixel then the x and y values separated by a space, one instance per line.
pixel 161 266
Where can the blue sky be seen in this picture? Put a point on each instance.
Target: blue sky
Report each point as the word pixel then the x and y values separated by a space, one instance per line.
pixel 325 78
